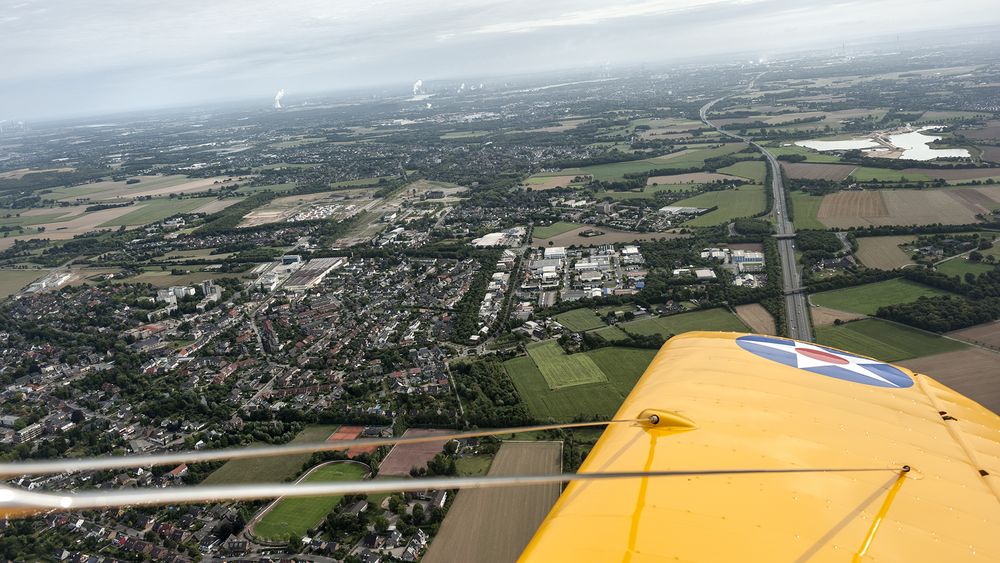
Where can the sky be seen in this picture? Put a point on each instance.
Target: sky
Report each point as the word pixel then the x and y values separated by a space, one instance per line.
pixel 78 57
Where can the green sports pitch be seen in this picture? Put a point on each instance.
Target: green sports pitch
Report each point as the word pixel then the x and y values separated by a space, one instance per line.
pixel 296 516
pixel 561 369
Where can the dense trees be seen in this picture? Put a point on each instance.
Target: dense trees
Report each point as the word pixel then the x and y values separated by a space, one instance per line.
pixel 488 395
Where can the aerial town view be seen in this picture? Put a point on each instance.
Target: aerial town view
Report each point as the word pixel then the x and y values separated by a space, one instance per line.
pixel 395 263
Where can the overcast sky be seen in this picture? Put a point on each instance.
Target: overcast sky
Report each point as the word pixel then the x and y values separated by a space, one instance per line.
pixel 76 57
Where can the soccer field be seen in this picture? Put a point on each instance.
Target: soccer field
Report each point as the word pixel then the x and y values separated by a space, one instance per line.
pixel 561 369
pixel 621 366
pixel 579 320
pixel 296 516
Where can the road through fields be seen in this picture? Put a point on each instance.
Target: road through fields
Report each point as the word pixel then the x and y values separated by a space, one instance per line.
pixel 796 304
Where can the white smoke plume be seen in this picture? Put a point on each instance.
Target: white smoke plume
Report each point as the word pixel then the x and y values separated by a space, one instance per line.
pixel 277 98
pixel 461 88
pixel 418 87
pixel 429 105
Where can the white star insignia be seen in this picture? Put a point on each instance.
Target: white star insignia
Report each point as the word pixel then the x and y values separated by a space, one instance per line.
pixel 802 361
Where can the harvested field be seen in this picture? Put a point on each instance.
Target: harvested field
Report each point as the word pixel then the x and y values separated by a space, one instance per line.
pixel 495 525
pixel 975 200
pixel 884 252
pixel 818 171
pixel 990 154
pixel 549 182
pixel 852 205
pixel 757 317
pixel 973 372
pixel 986 334
pixel 895 207
pixel 991 131
pixel 405 456
pixel 610 236
pixel 823 316
pixel 78 225
pixel 953 174
pixel 148 186
pixel 748 246
pixel 690 178
pixel 22 172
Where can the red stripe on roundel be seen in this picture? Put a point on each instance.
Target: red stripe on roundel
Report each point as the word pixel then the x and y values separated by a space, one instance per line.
pixel 821 356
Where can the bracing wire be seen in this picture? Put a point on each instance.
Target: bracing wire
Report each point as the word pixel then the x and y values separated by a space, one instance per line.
pixel 17 502
pixel 50 467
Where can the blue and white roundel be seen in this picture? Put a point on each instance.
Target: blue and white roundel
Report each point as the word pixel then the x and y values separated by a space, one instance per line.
pixel 825 361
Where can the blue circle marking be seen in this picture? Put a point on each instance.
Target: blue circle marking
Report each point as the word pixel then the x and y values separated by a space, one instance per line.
pixel 825 361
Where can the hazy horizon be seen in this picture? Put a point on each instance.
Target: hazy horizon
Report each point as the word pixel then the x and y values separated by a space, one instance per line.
pixel 70 59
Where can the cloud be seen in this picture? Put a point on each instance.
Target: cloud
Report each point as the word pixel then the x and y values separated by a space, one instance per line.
pixel 134 53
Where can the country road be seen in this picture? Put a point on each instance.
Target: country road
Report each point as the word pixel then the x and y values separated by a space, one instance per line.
pixel 796 304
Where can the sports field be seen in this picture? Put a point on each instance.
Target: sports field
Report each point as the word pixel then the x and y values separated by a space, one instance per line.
pixel 269 469
pixel 296 516
pixel 883 340
pixel 709 319
pixel 866 299
pixel 554 229
pixel 579 320
pixel 561 369
pixel 621 367
pixel 743 201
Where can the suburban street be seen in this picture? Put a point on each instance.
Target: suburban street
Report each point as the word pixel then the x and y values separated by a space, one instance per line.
pixel 796 304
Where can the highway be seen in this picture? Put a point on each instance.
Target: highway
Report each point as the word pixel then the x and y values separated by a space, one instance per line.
pixel 796 304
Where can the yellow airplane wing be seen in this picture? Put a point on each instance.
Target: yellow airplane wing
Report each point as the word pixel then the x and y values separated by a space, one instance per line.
pixel 731 401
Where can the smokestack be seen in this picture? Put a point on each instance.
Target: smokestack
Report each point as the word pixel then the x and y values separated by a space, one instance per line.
pixel 277 98
pixel 418 87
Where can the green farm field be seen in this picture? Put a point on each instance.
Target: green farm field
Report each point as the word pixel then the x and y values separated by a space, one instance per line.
pixel 743 201
pixel 868 174
pixel 804 210
pixel 621 366
pixel 155 210
pixel 750 169
pixel 611 333
pixel 554 229
pixel 811 155
pixel 12 281
pixel 270 469
pixel 579 320
pixel 296 516
pixel 709 319
pixel 883 340
pixel 561 369
pixel 689 158
pixel 866 299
